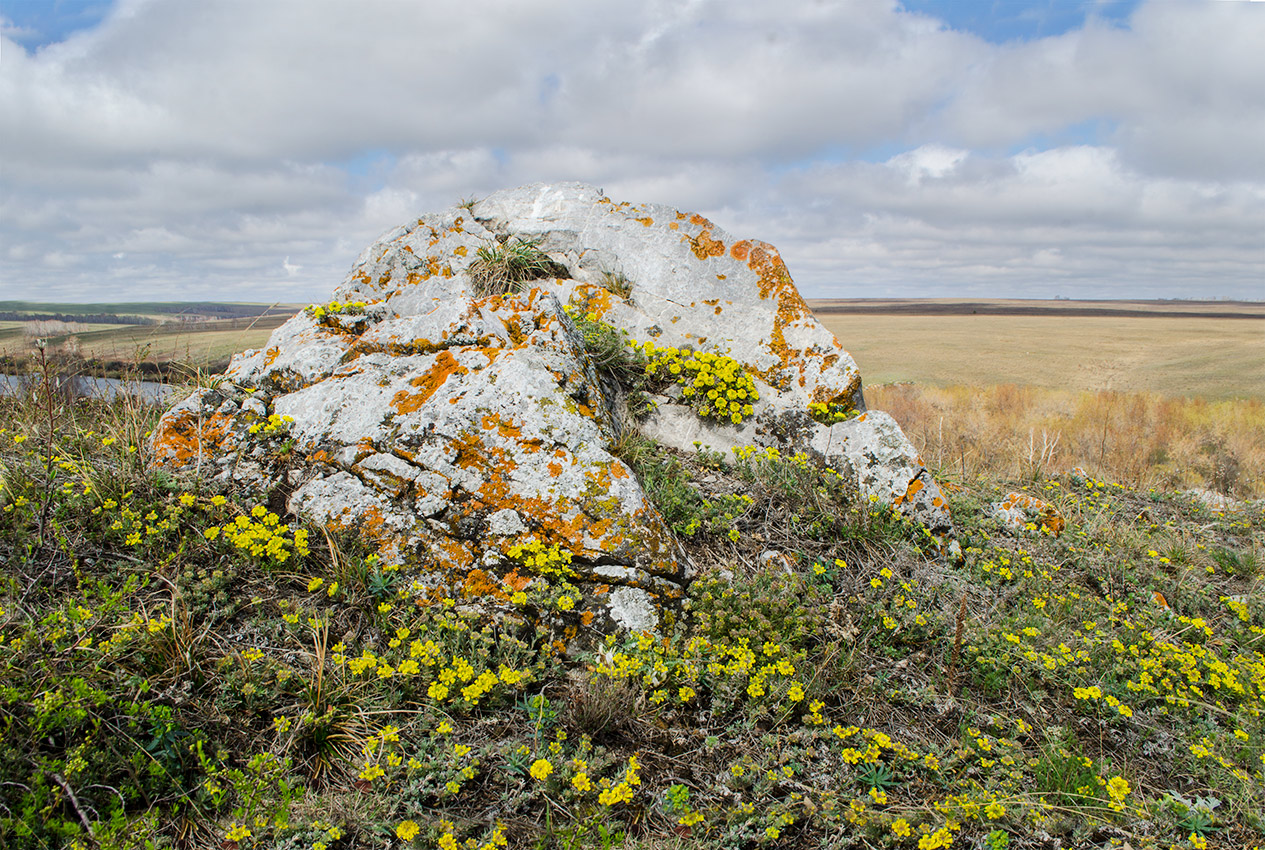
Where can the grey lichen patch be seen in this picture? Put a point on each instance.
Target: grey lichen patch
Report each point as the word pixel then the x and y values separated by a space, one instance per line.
pixel 632 608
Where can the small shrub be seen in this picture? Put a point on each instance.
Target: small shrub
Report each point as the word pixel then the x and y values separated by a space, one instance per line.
pixel 769 606
pixel 608 348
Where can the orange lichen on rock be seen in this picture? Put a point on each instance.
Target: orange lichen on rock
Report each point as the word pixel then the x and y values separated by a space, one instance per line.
pixel 372 526
pixel 187 437
pixel 445 366
pixel 592 299
pixel 452 554
pixel 471 451
pixel 911 490
pixel 516 582
pixel 508 430
pixel 647 221
pixel 704 246
pixel 478 585
pixel 775 278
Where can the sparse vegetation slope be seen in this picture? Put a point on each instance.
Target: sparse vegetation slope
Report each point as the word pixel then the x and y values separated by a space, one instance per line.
pixel 181 668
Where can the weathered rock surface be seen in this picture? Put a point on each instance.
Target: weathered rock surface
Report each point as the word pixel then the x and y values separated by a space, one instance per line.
pixel 1022 512
pixel 450 429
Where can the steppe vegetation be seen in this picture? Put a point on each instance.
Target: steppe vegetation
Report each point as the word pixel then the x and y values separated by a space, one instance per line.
pixel 185 667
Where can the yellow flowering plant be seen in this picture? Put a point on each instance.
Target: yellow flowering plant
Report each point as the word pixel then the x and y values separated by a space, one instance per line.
pixel 715 385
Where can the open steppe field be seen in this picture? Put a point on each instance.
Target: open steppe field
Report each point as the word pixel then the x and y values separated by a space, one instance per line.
pixel 215 333
pixel 212 342
pixel 1213 350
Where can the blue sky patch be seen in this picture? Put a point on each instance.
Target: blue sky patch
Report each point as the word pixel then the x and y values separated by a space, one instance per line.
pixel 1000 21
pixel 36 23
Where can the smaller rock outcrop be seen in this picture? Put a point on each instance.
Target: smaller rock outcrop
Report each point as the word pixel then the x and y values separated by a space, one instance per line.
pixel 1020 512
pixel 466 432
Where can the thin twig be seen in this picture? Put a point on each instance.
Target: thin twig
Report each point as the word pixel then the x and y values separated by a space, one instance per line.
pixel 74 803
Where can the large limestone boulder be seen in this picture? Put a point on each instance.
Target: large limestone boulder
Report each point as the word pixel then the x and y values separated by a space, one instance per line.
pixel 469 437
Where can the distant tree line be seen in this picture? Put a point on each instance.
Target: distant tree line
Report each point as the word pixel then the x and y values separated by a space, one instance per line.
pixel 84 318
pixel 211 308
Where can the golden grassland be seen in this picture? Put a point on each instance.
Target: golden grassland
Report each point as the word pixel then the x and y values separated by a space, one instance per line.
pixel 1212 358
pixel 192 346
pixel 1135 394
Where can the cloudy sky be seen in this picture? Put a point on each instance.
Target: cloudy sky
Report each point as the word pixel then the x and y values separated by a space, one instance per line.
pixel 249 149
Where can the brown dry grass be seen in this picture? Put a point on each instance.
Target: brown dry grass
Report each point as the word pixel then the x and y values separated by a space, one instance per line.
pixel 1131 437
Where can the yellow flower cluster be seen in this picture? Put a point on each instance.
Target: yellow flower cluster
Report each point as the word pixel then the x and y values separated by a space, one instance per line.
pixel 622 791
pixel 137 528
pixel 942 837
pixel 333 308
pixel 700 665
pixel 458 682
pixel 542 559
pixel 237 832
pixel 263 536
pixel 448 841
pixel 390 759
pixel 762 455
pixel 273 425
pixel 1186 673
pixel 1117 789
pixel 715 385
pixel 832 412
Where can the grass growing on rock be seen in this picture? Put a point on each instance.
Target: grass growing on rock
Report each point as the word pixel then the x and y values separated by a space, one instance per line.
pixel 181 668
pixel 504 266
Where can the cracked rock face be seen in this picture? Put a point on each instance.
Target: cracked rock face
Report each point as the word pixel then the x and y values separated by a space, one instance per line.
pixel 448 429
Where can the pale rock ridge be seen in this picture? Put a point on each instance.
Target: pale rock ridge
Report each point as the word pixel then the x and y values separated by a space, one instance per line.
pixel 449 429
